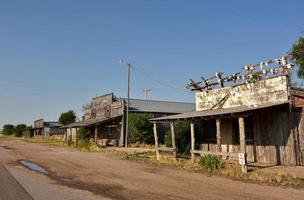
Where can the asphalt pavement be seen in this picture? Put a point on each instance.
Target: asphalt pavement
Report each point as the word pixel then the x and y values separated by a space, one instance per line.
pixel 10 189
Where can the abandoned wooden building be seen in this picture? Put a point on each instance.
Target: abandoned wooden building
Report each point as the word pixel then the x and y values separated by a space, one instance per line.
pixel 261 118
pixel 47 128
pixel 105 117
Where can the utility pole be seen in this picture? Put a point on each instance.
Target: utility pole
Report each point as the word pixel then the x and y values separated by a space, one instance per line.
pixel 146 92
pixel 128 99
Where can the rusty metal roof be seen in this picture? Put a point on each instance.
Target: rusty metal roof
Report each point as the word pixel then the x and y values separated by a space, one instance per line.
pixel 215 112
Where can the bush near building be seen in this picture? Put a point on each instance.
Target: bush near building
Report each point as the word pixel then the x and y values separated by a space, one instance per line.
pixel 19 128
pixel 141 130
pixel 182 137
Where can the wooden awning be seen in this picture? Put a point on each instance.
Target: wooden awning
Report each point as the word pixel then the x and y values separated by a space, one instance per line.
pixel 89 123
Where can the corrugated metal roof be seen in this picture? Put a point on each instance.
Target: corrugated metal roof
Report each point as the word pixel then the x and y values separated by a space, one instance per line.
pixel 154 106
pixel 52 124
pixel 214 112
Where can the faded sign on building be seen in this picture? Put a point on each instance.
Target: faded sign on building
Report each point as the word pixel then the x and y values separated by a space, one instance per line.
pixel 103 107
pixel 271 90
pixel 39 123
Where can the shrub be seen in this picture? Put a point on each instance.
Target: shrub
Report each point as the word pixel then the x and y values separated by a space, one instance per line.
pixel 182 137
pixel 19 128
pixel 210 162
pixel 82 134
pixel 141 130
pixel 8 129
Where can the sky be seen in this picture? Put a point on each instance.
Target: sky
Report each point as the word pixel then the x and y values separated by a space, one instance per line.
pixel 55 55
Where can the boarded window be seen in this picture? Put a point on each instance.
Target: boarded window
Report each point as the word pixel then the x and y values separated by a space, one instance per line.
pixel 209 127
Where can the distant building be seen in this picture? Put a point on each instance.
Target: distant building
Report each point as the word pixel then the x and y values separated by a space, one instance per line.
pixel 44 128
pixel 105 116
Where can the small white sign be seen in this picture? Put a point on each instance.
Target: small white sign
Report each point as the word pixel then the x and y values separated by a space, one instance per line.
pixel 242 159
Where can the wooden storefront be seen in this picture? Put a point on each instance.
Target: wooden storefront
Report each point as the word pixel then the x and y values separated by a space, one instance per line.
pixel 265 122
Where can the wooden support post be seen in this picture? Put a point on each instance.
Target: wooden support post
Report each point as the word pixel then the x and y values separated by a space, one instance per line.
pixel 243 143
pixel 76 139
pixel 173 140
pixel 218 136
pixel 70 136
pixel 122 132
pixel 156 140
pixel 192 142
pixel 95 137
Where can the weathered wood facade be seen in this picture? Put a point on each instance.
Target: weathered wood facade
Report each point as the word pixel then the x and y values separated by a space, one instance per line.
pixel 105 117
pixel 263 120
pixel 43 128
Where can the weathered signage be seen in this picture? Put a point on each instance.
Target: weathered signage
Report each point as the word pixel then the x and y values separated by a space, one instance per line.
pixel 39 123
pixel 272 90
pixel 103 107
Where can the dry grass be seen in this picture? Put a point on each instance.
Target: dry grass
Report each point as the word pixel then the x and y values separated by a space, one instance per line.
pixel 229 169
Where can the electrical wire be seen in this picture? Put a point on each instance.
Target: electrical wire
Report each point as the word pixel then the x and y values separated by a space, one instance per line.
pixel 158 81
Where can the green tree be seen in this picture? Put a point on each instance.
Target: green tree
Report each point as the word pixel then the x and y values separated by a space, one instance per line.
pixel 182 137
pixel 67 117
pixel 141 130
pixel 19 128
pixel 8 129
pixel 297 53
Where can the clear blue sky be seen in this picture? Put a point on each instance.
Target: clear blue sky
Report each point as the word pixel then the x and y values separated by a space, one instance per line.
pixel 56 55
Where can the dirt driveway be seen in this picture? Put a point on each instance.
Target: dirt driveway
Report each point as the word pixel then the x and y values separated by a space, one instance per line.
pixel 109 176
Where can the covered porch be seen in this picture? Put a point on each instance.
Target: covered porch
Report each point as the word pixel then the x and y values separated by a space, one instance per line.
pixel 257 134
pixel 107 132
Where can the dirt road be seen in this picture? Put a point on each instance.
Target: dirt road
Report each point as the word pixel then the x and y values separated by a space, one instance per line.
pixel 110 177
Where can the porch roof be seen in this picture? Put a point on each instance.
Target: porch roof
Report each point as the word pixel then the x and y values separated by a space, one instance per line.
pixel 215 112
pixel 90 122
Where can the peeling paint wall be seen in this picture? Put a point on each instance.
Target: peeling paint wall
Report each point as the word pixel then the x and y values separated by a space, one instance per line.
pixel 272 90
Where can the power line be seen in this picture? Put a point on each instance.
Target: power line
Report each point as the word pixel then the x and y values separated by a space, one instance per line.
pixel 158 81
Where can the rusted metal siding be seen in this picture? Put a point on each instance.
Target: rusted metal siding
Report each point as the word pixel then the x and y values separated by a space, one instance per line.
pixel 265 91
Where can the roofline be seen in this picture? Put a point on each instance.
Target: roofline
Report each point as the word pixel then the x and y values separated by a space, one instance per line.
pixel 178 116
pixel 159 101
pixel 111 93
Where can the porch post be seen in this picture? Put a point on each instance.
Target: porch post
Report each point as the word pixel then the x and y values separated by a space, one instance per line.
pixel 218 135
pixel 173 140
pixel 243 143
pixel 76 139
pixel 122 132
pixel 156 140
pixel 70 136
pixel 192 142
pixel 95 137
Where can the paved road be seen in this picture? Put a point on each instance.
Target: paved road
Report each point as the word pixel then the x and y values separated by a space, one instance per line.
pixel 10 189
pixel 85 175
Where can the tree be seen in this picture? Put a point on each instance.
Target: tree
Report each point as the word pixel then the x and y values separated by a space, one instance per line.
pixel 297 53
pixel 182 137
pixel 19 128
pixel 67 117
pixel 8 129
pixel 141 130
